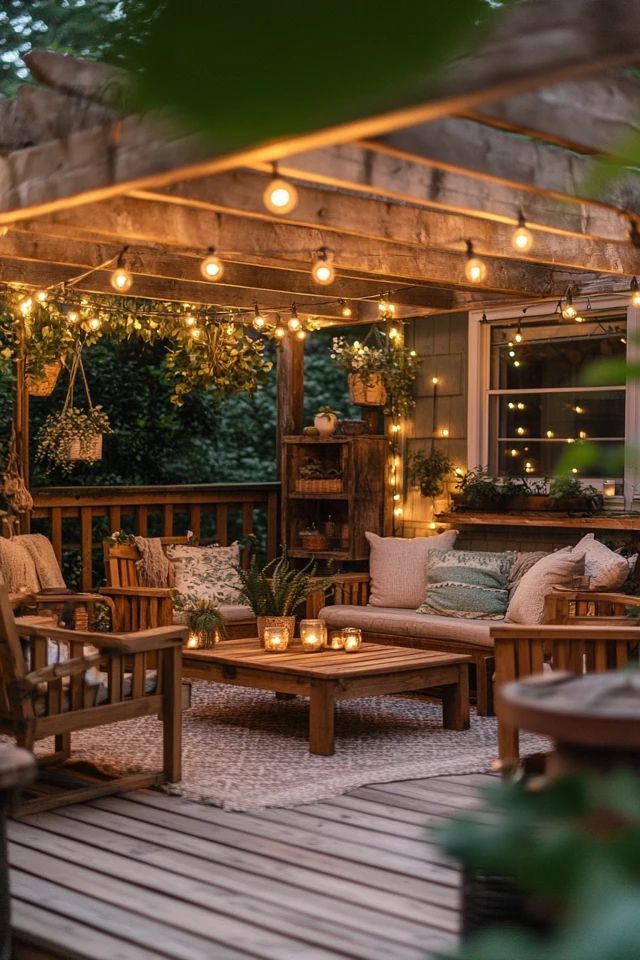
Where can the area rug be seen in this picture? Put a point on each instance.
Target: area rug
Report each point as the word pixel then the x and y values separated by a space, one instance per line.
pixel 243 749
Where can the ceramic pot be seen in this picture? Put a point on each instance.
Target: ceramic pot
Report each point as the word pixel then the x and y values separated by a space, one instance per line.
pixel 326 424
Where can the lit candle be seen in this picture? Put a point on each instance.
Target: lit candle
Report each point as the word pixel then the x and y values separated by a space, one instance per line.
pixel 335 641
pixel 312 635
pixel 193 641
pixel 609 488
pixel 352 639
pixel 276 639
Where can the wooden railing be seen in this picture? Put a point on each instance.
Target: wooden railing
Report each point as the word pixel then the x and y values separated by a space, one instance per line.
pixel 76 519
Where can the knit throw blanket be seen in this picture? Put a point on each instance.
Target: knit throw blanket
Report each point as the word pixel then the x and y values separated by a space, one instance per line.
pixel 153 566
pixel 44 558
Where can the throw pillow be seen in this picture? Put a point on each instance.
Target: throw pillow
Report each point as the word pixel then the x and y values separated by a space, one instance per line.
pixel 397 567
pixel 467 583
pixel 523 561
pixel 606 570
pixel 206 572
pixel 556 569
pixel 17 567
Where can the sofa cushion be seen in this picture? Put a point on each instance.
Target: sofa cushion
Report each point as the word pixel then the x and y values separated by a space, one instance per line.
pixel 523 561
pixel 397 567
pixel 558 569
pixel 408 623
pixel 472 584
pixel 606 570
pixel 232 613
pixel 207 573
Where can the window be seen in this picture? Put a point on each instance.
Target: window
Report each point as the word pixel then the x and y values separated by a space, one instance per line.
pixel 537 403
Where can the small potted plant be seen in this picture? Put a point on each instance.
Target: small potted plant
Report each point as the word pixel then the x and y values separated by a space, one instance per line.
pixel 478 490
pixel 206 623
pixel 275 591
pixel 314 476
pixel 381 374
pixel 429 472
pixel 568 494
pixel 326 421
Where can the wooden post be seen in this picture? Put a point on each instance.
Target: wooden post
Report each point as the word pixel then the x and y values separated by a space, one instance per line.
pixel 290 392
pixel 21 420
pixel 17 767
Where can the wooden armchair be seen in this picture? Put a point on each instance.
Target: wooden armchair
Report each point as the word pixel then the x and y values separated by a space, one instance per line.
pixel 137 607
pixel 129 676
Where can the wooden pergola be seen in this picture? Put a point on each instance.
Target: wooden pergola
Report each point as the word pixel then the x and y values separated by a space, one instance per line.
pixel 395 197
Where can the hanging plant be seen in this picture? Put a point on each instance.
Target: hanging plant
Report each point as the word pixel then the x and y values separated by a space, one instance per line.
pixel 48 340
pixel 379 372
pixel 429 472
pixel 73 433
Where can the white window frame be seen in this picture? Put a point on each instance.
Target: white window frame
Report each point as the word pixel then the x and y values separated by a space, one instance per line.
pixel 478 396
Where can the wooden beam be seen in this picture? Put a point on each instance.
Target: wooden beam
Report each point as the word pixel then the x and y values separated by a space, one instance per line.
pixel 591 115
pixel 38 115
pixel 133 220
pixel 358 166
pixel 532 44
pixel 339 210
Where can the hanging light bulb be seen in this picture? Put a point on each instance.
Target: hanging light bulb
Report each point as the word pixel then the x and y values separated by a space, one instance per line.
pixel 345 309
pixel 475 269
pixel 189 320
pixel 212 268
pixel 635 293
pixel 279 332
pixel 301 335
pixel 95 323
pixel 279 195
pixel 294 321
pixel 26 306
pixel 394 333
pixel 518 336
pixel 41 296
pixel 522 238
pixel 259 322
pixel 322 270
pixel 569 312
pixel 121 279
pixel 73 316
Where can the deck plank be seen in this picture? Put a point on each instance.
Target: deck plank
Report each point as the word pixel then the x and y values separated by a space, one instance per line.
pixel 147 876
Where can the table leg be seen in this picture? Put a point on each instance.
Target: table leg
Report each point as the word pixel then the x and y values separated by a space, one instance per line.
pixel 455 702
pixel 322 708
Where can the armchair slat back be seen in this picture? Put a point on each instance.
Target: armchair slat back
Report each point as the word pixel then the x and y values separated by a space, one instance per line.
pixel 142 607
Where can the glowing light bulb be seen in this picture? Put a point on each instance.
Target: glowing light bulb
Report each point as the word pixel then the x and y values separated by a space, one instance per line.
pixel 574 469
pixel 518 337
pixel 475 269
pixel 394 333
pixel 383 305
pixel 196 333
pixel 279 332
pixel 550 434
pixel 522 239
pixel 301 335
pixel 570 440
pixel 512 353
pixel 433 525
pixel 635 293
pixel 73 316
pixel 322 270
pixel 514 452
pixel 435 381
pixel 397 497
pixel 395 428
pixel 26 306
pixel 212 268
pixel 459 472
pixel 583 434
pixel 345 309
pixel 578 318
pixel 189 320
pixel 280 196
pixel 569 312
pixel 520 431
pixel 398 512
pixel 121 280
pixel 578 409
pixel 294 323
pixel 521 406
pixel 516 363
pixel 95 323
pixel 444 432
pixel 413 353
pixel 41 296
pixel 259 322
pixel 511 406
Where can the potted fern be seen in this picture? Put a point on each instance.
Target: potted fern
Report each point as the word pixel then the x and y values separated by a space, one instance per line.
pixel 275 591
pixel 206 623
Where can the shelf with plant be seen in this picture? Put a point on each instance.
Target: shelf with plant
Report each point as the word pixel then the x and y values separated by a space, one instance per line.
pixel 318 476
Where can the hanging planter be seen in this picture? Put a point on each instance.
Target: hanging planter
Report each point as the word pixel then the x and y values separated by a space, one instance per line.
pixel 74 433
pixel 367 391
pixel 43 385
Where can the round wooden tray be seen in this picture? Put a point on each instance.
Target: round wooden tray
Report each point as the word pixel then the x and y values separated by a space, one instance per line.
pixel 600 710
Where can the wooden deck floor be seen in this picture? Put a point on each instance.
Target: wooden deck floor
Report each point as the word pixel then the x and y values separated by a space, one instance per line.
pixel 147 876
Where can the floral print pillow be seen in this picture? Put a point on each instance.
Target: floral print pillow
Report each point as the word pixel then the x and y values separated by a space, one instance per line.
pixel 206 572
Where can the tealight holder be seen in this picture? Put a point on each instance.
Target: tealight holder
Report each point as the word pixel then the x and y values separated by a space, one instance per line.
pixel 276 639
pixel 335 641
pixel 312 634
pixel 351 639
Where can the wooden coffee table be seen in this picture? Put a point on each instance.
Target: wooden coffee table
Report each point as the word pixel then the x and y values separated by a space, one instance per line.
pixel 375 670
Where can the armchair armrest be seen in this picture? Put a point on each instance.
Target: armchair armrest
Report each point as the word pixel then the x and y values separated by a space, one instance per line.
pixel 68 668
pixel 157 638
pixel 136 591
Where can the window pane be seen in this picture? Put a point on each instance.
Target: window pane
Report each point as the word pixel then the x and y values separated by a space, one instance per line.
pixel 539 458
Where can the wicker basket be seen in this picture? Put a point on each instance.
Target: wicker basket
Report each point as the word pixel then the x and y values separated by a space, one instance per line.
pixel 288 622
pixel 333 485
pixel 92 450
pixel 314 541
pixel 44 385
pixel 367 393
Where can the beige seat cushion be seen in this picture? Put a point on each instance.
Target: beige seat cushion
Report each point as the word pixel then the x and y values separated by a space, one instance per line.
pixel 409 623
pixel 232 613
pixel 398 567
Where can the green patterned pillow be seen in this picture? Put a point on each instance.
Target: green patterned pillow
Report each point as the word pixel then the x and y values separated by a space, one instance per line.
pixel 467 583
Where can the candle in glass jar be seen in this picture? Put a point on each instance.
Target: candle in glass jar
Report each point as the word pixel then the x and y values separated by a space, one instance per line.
pixel 311 635
pixel 334 641
pixel 609 488
pixel 276 639
pixel 352 639
pixel 193 641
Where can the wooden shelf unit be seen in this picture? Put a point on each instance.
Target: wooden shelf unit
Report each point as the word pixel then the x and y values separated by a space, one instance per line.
pixel 358 508
pixel 610 521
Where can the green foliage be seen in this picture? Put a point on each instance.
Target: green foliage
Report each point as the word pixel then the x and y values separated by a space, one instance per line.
pixel 480 489
pixel 278 589
pixel 429 471
pixel 395 365
pixel 203 617
pixel 568 487
pixel 62 429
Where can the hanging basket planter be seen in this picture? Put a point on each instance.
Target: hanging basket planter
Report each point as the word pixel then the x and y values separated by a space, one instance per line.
pixel 369 392
pixel 87 448
pixel 44 384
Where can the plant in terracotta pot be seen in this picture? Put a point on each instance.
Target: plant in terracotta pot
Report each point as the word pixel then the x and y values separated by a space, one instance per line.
pixel 275 591
pixel 326 421
pixel 429 472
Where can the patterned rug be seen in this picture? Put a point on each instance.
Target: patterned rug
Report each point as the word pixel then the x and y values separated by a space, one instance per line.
pixel 243 749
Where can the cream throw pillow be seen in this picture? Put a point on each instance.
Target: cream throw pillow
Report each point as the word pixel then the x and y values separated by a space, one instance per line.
pixel 606 570
pixel 17 568
pixel 556 569
pixel 398 568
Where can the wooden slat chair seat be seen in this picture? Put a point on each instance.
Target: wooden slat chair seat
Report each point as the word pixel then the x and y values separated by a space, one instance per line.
pixel 138 607
pixel 107 678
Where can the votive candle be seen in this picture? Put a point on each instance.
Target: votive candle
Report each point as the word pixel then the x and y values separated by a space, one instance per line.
pixel 276 639
pixel 352 639
pixel 335 641
pixel 312 635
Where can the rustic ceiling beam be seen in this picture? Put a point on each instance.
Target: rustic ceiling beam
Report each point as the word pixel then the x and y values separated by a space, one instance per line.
pixel 384 218
pixel 590 115
pixel 357 166
pixel 132 220
pixel 532 44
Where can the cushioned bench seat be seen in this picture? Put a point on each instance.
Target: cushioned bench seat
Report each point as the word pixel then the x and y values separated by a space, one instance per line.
pixel 408 623
pixel 232 613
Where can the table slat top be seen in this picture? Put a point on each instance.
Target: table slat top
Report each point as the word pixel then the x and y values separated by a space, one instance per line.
pixel 328 664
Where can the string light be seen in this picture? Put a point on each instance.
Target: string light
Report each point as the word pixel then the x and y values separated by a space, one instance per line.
pixel 435 381
pixel 212 267
pixel 73 316
pixel 395 428
pixel 396 497
pixel 301 335
pixel 520 431
pixel 583 434
pixel 279 332
pixel 578 409
pixel 635 293
pixel 121 279
pixel 522 238
pixel 279 195
pixel 394 333
pixel 518 336
pixel 475 269
pixel 41 296
pixel 294 320
pixel 398 512
pixel 550 434
pixel 345 309
pixel 444 432
pixel 25 306
pixel 569 312
pixel 322 270
pixel 189 320
pixel 259 322
pixel 95 323
pixel 196 332
pixel 516 363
